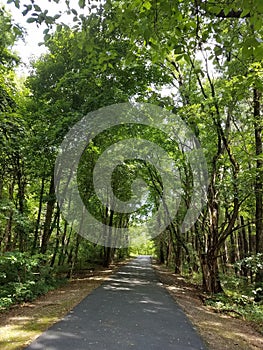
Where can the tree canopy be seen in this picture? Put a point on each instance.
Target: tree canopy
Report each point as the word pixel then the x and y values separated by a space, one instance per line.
pixel 201 61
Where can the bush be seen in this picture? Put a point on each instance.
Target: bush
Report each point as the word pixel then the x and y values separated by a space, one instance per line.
pixel 253 263
pixel 24 277
pixel 238 300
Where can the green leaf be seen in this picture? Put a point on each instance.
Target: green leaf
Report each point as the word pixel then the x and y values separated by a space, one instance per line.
pixel 37 8
pixel 187 59
pixel 147 5
pixel 59 28
pixel 47 37
pixel 31 20
pixel 245 12
pixel 179 57
pixel 226 11
pixel 82 3
pixel 178 49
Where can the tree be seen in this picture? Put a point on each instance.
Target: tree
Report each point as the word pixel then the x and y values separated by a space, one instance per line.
pixel 159 43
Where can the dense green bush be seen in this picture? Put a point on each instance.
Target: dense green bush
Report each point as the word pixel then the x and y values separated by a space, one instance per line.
pixel 238 300
pixel 24 277
pixel 253 262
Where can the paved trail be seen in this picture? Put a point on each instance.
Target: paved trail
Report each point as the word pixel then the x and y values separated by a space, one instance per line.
pixel 131 310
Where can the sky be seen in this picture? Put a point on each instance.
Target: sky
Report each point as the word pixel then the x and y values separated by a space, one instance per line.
pixel 29 48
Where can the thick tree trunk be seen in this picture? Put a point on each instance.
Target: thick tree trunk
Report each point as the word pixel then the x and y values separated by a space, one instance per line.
pixel 178 259
pixel 211 280
pixel 107 257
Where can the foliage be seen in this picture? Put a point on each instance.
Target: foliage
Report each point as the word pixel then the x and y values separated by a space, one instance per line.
pixel 24 277
pixel 252 262
pixel 238 300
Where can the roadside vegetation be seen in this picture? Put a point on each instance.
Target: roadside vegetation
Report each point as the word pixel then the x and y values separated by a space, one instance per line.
pixel 200 60
pixel 239 298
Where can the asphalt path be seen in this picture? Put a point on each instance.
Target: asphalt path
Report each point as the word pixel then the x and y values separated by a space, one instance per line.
pixel 131 310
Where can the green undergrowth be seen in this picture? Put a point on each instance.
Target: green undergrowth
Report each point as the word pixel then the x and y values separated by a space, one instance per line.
pixel 24 278
pixel 238 300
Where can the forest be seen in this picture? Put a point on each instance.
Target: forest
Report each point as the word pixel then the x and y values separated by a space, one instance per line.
pixel 199 60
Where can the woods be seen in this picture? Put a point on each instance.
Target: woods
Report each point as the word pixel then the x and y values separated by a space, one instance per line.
pixel 198 59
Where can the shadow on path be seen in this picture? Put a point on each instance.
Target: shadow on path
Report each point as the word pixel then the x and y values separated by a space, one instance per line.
pixel 131 310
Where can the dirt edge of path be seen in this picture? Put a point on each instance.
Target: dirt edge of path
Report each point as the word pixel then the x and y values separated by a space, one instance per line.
pixel 218 331
pixel 23 323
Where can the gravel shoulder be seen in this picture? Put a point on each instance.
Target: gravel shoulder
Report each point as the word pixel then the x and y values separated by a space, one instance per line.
pixel 218 330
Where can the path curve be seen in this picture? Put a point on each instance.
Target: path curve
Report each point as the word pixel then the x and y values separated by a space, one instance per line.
pixel 130 310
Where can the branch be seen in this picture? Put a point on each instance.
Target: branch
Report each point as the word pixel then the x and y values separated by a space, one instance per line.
pixel 221 14
pixel 231 14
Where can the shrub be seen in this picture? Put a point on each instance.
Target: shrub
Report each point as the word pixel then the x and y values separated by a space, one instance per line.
pixel 24 277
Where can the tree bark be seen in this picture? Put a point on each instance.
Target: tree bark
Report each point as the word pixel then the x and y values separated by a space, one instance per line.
pixel 34 247
pixel 210 272
pixel 56 248
pixel 259 177
pixel 48 219
pixel 259 167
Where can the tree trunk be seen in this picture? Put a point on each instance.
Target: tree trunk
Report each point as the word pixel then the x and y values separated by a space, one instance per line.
pixel 243 245
pixel 63 246
pixel 8 229
pixel 48 219
pixel 211 281
pixel 251 247
pixel 8 232
pixel 74 253
pixel 107 257
pixel 258 180
pixel 21 183
pixel 56 248
pixel 34 247
pixel 161 253
pixel 178 259
pixel 108 250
